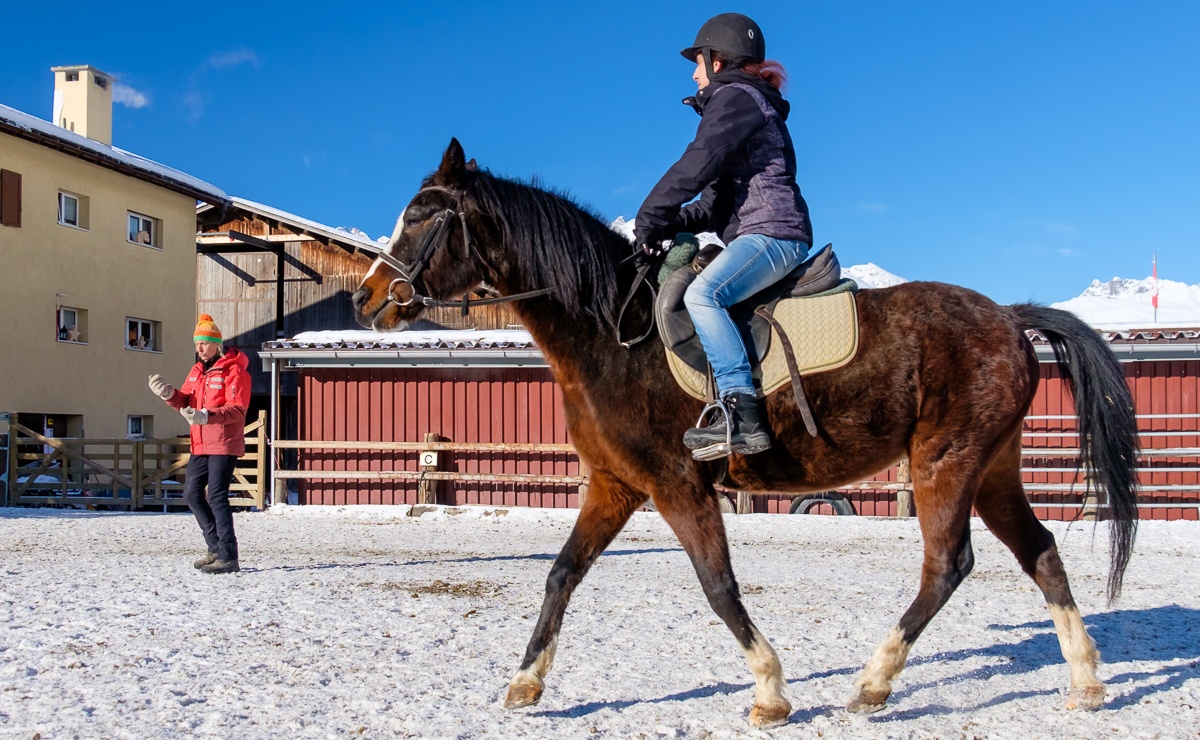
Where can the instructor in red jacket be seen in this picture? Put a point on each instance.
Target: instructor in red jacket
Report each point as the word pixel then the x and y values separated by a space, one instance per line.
pixel 213 399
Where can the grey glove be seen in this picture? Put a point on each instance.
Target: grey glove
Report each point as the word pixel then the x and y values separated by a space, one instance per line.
pixel 161 388
pixel 195 417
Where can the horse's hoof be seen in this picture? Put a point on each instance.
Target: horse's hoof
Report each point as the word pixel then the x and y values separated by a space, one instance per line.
pixel 868 702
pixel 772 715
pixel 1088 697
pixel 522 695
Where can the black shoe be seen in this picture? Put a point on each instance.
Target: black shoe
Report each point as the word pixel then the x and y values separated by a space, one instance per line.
pixel 747 436
pixel 208 558
pixel 221 566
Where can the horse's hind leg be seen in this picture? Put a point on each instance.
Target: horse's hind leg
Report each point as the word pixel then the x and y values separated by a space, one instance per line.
pixel 695 516
pixel 942 491
pixel 1005 510
pixel 605 512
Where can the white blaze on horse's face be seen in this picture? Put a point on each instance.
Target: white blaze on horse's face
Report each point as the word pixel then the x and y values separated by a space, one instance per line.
pixel 396 231
pixel 390 247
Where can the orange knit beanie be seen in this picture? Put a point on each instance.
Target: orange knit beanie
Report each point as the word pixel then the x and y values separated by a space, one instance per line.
pixel 206 330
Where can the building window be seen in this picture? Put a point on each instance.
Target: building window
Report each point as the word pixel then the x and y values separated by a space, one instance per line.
pixel 68 209
pixel 101 82
pixel 72 325
pixel 72 77
pixel 10 199
pixel 142 334
pixel 140 427
pixel 143 230
pixel 72 210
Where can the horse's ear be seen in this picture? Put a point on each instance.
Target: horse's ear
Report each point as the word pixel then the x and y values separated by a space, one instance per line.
pixel 472 166
pixel 453 166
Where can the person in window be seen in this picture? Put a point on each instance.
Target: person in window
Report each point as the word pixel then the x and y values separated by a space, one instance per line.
pixel 214 399
pixel 742 164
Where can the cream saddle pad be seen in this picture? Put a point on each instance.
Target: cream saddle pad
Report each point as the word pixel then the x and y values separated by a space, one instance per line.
pixel 822 331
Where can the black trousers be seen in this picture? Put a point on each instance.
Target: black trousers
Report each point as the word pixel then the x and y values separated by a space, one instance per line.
pixel 213 512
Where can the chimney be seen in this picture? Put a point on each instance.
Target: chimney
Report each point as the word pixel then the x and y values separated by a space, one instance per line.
pixel 83 101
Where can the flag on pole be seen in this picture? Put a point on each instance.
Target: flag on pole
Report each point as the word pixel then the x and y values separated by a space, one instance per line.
pixel 1154 286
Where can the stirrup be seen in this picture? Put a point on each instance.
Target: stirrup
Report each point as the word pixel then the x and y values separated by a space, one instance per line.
pixel 720 449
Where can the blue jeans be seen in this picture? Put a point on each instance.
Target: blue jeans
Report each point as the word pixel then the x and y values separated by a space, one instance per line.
pixel 748 264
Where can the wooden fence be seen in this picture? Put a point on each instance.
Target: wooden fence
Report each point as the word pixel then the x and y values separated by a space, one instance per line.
pixel 125 473
pixel 430 470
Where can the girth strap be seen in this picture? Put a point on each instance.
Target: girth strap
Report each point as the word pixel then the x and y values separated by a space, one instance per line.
pixel 793 369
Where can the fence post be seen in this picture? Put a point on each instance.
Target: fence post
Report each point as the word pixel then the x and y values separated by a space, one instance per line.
pixel 260 492
pixel 1095 499
pixel 427 490
pixel 904 497
pixel 745 504
pixel 584 472
pixel 10 459
pixel 137 471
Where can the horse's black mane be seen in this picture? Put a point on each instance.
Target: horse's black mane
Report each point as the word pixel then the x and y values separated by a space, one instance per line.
pixel 561 244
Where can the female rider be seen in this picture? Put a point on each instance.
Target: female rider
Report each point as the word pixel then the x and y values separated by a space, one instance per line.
pixel 743 166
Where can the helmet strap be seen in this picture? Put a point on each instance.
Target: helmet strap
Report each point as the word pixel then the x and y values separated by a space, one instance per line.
pixel 706 52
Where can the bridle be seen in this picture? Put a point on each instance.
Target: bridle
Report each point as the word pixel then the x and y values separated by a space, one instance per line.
pixel 410 274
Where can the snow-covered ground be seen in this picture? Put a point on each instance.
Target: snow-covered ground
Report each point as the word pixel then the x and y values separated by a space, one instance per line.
pixel 362 621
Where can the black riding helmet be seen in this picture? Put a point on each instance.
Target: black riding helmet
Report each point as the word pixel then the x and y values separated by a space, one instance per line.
pixel 737 37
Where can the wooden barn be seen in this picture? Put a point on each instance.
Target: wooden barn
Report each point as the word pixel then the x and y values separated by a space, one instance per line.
pixel 372 407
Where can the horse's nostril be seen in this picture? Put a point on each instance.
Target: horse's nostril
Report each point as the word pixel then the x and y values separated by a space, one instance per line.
pixel 359 298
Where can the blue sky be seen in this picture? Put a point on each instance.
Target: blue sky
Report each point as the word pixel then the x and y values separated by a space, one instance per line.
pixel 1017 148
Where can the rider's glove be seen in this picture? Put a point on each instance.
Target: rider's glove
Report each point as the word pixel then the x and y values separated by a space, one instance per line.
pixel 656 247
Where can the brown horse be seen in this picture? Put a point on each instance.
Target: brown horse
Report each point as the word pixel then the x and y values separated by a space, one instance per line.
pixel 943 376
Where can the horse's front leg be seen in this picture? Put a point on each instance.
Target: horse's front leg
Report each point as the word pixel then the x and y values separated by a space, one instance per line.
pixel 607 507
pixel 695 516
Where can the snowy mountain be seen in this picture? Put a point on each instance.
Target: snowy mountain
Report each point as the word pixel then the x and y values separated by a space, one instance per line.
pixel 871 275
pixel 1123 303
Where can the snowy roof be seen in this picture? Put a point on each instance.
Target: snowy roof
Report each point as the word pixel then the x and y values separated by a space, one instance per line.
pixel 412 348
pixel 340 234
pixel 15 122
pixel 1140 344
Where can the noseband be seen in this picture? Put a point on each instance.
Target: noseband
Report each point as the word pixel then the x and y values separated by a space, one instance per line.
pixel 440 234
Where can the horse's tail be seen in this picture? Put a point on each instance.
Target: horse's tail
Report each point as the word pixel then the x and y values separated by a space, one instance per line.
pixel 1108 434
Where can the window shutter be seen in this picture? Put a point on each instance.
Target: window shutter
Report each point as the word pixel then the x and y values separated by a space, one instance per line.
pixel 10 198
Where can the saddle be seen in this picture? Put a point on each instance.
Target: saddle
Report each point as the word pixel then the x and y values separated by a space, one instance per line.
pixel 805 323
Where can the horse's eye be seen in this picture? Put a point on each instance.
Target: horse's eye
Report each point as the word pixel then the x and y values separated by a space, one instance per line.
pixel 412 223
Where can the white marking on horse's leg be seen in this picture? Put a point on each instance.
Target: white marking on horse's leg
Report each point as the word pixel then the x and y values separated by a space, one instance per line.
pixel 526 685
pixel 771 707
pixel 874 684
pixel 1082 658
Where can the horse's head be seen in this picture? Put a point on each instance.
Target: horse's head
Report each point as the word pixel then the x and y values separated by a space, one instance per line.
pixel 430 253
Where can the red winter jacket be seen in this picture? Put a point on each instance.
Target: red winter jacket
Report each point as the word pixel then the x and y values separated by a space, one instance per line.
pixel 224 392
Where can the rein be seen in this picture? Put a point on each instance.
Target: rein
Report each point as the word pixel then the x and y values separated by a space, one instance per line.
pixel 638 280
pixel 411 273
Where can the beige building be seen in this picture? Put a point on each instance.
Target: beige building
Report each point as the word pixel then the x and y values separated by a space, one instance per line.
pixel 97 269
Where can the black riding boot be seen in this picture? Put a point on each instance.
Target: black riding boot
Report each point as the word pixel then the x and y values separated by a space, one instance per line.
pixel 749 428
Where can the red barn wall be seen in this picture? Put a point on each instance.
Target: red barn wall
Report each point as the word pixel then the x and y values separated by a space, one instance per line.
pixel 516 405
